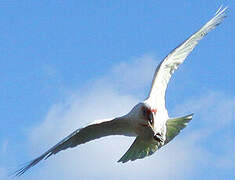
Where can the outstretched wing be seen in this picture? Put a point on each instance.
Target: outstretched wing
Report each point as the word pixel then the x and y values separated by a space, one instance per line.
pixel 117 126
pixel 167 67
pixel 141 148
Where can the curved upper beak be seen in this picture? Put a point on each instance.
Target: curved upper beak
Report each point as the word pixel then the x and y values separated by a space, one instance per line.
pixel 158 137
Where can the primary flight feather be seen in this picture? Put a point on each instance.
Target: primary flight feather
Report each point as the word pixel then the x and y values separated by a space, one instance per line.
pixel 148 121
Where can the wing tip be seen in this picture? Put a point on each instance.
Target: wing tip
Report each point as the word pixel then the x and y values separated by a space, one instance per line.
pixel 220 14
pixel 221 10
pixel 26 166
pixel 22 170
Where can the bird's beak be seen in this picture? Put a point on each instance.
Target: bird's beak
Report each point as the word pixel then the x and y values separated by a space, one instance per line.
pixel 158 137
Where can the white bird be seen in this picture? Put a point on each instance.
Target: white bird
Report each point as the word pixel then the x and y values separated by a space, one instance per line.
pixel 148 121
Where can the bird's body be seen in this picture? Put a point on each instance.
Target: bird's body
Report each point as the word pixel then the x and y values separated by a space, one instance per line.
pixel 148 121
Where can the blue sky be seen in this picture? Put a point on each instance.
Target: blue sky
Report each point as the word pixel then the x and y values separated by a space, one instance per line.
pixel 66 64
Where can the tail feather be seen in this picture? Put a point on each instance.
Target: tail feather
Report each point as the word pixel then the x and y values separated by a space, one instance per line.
pixel 175 125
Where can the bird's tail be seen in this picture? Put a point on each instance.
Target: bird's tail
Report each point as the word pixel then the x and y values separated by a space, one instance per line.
pixel 175 125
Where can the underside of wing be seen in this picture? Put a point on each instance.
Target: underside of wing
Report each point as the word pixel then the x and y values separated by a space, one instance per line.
pixel 167 67
pixel 175 125
pixel 117 126
pixel 139 149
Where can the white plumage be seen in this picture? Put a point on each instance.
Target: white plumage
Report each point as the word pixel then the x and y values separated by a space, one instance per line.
pixel 148 120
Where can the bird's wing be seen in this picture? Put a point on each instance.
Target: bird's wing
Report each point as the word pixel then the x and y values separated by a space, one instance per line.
pixel 117 126
pixel 167 67
pixel 175 125
pixel 141 148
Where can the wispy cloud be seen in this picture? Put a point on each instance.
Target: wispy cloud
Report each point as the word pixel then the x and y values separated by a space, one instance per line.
pixel 4 146
pixel 3 173
pixel 103 99
pixel 214 124
pixel 135 74
pixel 215 111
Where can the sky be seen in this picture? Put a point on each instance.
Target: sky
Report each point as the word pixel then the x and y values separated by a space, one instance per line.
pixel 64 64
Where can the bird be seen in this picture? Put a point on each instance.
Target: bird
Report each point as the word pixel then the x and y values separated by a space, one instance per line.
pixel 148 121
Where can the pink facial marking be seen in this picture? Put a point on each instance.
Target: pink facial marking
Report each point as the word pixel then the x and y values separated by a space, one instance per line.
pixel 154 110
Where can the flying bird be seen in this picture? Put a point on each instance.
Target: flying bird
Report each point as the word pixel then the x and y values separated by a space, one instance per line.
pixel 148 121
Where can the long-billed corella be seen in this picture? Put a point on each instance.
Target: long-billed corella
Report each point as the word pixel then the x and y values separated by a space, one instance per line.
pixel 148 121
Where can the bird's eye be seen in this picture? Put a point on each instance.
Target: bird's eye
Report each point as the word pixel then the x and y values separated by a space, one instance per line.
pixel 144 112
pixel 150 118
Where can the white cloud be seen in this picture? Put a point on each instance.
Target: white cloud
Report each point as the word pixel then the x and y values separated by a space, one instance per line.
pixel 135 74
pixel 214 121
pixel 226 160
pixel 3 173
pixel 4 147
pixel 215 109
pixel 97 159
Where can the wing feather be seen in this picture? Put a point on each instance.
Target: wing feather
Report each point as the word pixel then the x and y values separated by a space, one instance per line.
pixel 117 126
pixel 141 148
pixel 167 67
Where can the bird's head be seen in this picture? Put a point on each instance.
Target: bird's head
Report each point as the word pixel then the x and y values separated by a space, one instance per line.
pixel 144 118
pixel 146 115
